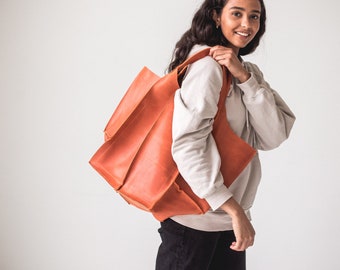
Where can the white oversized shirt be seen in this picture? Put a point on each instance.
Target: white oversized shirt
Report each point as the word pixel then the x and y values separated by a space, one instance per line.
pixel 255 112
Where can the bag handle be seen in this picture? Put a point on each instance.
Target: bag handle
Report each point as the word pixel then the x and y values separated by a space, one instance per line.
pixel 225 89
pixel 181 69
pixel 192 59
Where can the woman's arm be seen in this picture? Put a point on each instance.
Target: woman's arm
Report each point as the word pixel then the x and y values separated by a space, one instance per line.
pixel 269 116
pixel 243 229
pixel 193 148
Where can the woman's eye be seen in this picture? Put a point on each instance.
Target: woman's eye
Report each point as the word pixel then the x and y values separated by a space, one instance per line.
pixel 237 14
pixel 255 17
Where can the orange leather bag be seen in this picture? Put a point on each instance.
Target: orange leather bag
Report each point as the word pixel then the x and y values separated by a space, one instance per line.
pixel 136 157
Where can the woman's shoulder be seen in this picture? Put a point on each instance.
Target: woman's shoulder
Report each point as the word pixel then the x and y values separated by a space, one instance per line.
pixel 206 65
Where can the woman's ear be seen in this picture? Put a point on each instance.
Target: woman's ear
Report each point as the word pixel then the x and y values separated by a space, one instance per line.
pixel 216 18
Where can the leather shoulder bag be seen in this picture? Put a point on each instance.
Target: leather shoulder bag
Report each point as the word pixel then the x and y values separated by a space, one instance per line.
pixel 136 159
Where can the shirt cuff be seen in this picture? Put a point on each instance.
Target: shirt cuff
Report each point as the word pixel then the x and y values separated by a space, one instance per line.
pixel 219 197
pixel 250 87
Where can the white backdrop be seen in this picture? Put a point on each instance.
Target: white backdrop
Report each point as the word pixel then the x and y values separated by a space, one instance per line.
pixel 64 65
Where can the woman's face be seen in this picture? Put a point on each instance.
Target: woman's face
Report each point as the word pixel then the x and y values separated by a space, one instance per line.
pixel 239 22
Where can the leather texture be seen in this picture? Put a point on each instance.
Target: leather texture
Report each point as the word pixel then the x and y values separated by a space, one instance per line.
pixel 136 159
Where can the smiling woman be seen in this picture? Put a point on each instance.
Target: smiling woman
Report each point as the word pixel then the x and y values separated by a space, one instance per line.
pixel 256 113
pixel 205 28
pixel 239 24
pixel 66 64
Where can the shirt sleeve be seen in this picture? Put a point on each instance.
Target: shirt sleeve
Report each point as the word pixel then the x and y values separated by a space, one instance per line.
pixel 194 149
pixel 269 116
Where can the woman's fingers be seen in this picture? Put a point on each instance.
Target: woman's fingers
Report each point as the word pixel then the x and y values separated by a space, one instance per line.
pixel 242 244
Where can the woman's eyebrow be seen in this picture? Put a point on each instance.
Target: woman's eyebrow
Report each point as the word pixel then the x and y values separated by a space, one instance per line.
pixel 243 9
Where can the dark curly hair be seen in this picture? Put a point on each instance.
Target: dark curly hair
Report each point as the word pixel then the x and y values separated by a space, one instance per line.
pixel 203 31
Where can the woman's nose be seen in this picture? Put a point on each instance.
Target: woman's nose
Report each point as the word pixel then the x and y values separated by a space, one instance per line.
pixel 245 22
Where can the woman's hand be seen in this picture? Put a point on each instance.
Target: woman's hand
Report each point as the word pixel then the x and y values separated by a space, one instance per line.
pixel 226 57
pixel 243 230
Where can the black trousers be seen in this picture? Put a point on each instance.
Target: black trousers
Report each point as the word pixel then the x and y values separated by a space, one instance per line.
pixel 183 248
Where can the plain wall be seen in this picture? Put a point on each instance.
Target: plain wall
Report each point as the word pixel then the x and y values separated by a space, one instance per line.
pixel 64 65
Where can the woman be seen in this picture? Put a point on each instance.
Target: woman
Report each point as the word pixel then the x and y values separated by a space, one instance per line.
pixel 256 113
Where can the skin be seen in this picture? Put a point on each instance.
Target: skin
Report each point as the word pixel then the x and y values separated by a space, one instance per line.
pixel 239 22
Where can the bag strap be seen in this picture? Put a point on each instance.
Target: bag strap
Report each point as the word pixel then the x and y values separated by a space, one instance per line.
pixel 181 69
pixel 192 59
pixel 225 89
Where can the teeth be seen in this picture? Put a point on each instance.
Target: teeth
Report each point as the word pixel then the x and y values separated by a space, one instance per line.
pixel 243 34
